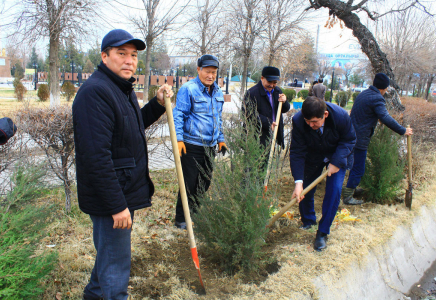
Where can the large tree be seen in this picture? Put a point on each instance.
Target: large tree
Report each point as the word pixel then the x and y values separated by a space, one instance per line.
pixel 347 13
pixel 31 20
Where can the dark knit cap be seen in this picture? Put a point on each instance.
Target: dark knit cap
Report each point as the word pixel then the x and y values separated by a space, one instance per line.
pixel 381 81
pixel 271 73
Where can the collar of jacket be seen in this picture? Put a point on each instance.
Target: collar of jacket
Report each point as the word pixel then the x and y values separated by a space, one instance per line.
pixel 124 85
pixel 374 89
pixel 204 88
pixel 262 90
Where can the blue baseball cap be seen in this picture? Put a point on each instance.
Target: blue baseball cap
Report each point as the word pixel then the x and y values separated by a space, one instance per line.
pixel 118 37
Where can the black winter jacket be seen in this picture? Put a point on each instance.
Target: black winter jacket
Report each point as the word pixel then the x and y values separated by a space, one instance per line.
pixel 308 150
pixel 257 96
pixel 368 108
pixel 111 150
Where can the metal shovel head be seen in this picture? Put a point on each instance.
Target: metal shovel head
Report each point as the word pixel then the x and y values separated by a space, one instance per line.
pixel 408 198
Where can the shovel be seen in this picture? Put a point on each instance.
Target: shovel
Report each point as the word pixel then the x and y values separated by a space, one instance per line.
pixel 408 198
pixel 182 187
pixel 304 192
pixel 271 154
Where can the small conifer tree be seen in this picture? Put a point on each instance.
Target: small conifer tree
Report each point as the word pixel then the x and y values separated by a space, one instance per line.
pixel 232 218
pixel 384 167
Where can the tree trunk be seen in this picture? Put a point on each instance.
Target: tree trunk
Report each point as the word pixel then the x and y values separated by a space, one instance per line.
pixel 149 42
pixel 370 47
pixel 54 70
pixel 429 82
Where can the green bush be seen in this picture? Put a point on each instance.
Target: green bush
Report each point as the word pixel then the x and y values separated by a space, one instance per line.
pixel 384 167
pixel 68 90
pixel 341 98
pixel 290 94
pixel 303 94
pixel 231 221
pixel 19 89
pixel 354 95
pixel 327 96
pixel 22 269
pixel 43 92
pixel 349 93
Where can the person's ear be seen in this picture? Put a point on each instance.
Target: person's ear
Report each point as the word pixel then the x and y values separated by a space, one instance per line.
pixel 326 114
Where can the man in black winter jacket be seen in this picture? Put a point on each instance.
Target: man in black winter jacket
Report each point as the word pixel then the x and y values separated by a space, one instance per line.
pixel 265 97
pixel 111 159
pixel 368 108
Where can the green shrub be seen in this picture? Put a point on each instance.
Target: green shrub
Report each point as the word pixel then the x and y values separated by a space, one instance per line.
pixel 68 90
pixel 231 221
pixel 22 269
pixel 354 95
pixel 290 94
pixel 349 93
pixel 43 92
pixel 303 94
pixel 19 89
pixel 327 96
pixel 341 98
pixel 384 167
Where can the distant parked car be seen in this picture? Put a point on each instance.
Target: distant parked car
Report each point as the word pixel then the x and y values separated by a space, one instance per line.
pixel 358 89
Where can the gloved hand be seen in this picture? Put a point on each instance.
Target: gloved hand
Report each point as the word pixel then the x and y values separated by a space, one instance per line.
pixel 182 148
pixel 222 148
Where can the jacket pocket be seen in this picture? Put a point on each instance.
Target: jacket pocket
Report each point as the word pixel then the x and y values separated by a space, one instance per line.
pixel 220 103
pixel 123 168
pixel 200 105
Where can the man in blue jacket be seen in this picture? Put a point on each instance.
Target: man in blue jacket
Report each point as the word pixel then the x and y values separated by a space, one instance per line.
pixel 322 135
pixel 368 108
pixel 198 122
pixel 111 159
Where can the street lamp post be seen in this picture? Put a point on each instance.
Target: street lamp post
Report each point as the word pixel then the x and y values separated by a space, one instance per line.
pixel 333 83
pixel 177 79
pixel 72 71
pixel 35 66
pixel 227 82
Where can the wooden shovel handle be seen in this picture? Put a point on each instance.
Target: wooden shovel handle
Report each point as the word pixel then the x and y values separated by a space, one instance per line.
pixel 271 154
pixel 178 163
pixel 304 192
pixel 409 155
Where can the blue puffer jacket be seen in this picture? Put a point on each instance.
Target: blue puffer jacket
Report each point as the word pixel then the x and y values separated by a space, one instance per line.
pixel 197 115
pixel 369 107
pixel 309 150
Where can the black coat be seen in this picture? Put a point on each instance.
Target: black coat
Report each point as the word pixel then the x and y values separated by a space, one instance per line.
pixel 111 149
pixel 257 96
pixel 7 130
pixel 308 150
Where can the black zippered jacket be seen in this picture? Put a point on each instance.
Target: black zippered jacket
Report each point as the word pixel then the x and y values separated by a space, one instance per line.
pixel 111 149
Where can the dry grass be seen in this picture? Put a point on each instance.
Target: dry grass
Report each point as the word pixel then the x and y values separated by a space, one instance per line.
pixel 8 107
pixel 158 249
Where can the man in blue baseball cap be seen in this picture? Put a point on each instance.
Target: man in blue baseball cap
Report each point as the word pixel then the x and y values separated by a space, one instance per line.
pixel 111 159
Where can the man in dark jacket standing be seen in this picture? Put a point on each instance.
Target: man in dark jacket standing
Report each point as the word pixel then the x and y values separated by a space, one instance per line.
pixel 265 97
pixel 322 134
pixel 111 159
pixel 368 108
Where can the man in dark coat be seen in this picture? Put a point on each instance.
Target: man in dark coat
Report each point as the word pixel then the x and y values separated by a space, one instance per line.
pixel 111 159
pixel 322 135
pixel 265 97
pixel 368 108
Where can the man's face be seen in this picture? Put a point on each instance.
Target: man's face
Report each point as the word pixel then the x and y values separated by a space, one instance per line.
pixel 268 85
pixel 316 123
pixel 122 60
pixel 383 92
pixel 207 75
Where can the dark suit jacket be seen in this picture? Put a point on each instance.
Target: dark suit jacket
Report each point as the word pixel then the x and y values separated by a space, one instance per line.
pixel 257 97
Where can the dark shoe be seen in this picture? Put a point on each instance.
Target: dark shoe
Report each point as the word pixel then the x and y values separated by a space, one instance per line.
pixel 306 227
pixel 320 241
pixel 180 225
pixel 351 201
pixel 358 192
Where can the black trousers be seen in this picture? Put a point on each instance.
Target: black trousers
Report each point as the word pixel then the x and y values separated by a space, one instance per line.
pixel 197 171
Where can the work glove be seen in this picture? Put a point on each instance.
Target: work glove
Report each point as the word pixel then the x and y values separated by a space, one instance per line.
pixel 222 148
pixel 182 148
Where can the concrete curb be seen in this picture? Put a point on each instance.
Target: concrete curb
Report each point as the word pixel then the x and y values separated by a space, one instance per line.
pixel 389 271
